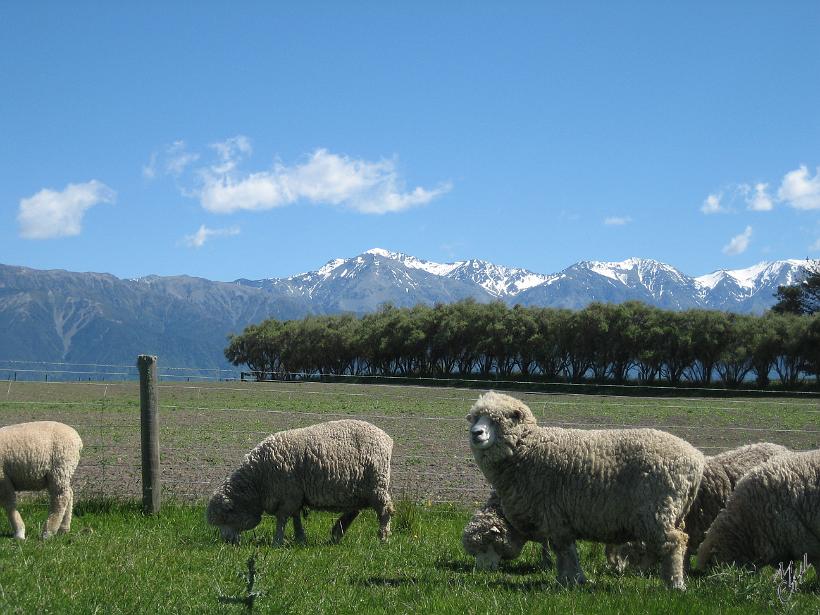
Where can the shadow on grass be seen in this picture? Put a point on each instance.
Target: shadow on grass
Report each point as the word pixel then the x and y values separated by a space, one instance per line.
pixel 384 581
pixel 462 566
pixel 106 505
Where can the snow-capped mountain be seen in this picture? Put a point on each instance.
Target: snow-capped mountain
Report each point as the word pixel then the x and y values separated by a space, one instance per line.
pixel 88 317
pixel 362 283
pixel 751 288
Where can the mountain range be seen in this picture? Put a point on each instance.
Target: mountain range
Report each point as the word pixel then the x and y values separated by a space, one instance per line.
pixel 97 318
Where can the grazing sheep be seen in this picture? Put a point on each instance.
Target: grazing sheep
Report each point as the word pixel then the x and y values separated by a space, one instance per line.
pixel 563 485
pixel 720 475
pixel 490 538
pixel 341 466
pixel 772 516
pixel 34 456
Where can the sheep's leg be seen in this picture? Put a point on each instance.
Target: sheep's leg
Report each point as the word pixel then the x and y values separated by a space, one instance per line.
pixel 672 552
pixel 568 566
pixel 298 529
pixel 341 525
pixel 384 510
pixel 546 558
pixel 65 525
pixel 59 497
pixel 9 498
pixel 281 522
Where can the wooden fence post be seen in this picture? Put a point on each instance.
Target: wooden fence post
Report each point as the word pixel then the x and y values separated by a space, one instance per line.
pixel 149 430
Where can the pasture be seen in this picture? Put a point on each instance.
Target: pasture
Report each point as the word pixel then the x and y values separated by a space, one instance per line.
pixel 117 561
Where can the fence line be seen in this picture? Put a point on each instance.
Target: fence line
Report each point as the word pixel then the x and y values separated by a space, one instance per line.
pixel 202 441
pixel 232 373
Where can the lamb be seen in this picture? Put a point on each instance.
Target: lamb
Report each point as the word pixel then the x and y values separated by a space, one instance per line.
pixel 490 538
pixel 772 516
pixel 341 466
pixel 720 475
pixel 610 486
pixel 35 456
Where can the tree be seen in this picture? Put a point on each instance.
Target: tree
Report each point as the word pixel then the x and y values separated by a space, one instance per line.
pixel 803 297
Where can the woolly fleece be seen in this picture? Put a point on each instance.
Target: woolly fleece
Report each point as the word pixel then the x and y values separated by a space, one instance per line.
pixel 720 475
pixel 35 456
pixel 340 466
pixel 772 516
pixel 564 485
pixel 490 538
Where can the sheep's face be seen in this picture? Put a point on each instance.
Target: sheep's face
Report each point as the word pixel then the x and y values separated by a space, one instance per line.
pixel 230 520
pixel 497 418
pixel 487 560
pixel 482 432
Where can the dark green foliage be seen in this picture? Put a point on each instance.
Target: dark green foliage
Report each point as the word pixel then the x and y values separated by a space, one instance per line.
pixel 605 343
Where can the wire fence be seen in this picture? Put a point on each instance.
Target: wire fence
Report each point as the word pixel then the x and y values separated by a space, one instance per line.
pixel 207 426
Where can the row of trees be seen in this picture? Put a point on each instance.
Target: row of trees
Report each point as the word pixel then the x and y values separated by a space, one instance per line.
pixel 602 343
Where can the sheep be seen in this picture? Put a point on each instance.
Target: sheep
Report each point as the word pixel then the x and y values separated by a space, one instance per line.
pixel 490 538
pixel 35 456
pixel 610 486
pixel 772 516
pixel 340 466
pixel 720 475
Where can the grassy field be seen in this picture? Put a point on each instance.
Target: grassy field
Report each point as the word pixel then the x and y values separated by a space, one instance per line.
pixel 115 560
pixel 207 428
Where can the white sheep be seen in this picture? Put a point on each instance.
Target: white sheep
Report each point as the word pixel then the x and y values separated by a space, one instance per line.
pixel 35 456
pixel 772 516
pixel 490 538
pixel 720 476
pixel 341 466
pixel 609 486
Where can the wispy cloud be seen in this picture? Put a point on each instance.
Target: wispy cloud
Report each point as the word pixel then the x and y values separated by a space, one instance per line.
pixel 617 220
pixel 757 197
pixel 323 178
pixel 171 160
pixel 712 204
pixel 198 239
pixel 815 247
pixel 739 243
pixel 50 213
pixel 800 190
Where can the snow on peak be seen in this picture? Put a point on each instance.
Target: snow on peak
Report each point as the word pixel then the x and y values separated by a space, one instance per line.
pixel 415 263
pixel 750 278
pixel 619 270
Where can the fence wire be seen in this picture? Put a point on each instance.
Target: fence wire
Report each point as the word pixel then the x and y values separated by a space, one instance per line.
pixel 206 428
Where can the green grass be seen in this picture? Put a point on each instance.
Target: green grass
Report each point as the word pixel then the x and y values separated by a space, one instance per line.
pixel 116 560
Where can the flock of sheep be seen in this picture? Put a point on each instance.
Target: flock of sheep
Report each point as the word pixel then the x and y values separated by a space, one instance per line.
pixel 651 497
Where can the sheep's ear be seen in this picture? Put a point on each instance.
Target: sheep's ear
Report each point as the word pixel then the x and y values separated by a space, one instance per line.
pixel 518 415
pixel 469 418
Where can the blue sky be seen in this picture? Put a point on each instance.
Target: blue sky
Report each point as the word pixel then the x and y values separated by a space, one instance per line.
pixel 255 140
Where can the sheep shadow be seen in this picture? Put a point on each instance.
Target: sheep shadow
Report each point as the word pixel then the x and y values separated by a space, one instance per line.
pixel 466 567
pixel 384 581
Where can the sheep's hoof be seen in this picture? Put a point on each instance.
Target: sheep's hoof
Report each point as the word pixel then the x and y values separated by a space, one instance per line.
pixel 20 536
pixel 46 535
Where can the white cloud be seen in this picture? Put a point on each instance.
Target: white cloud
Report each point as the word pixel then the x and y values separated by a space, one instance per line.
pixel 177 158
pixel 326 178
pixel 739 243
pixel 617 220
pixel 815 247
pixel 49 213
pixel 757 197
pixel 172 160
pixel 800 190
pixel 198 239
pixel 149 171
pixel 712 204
